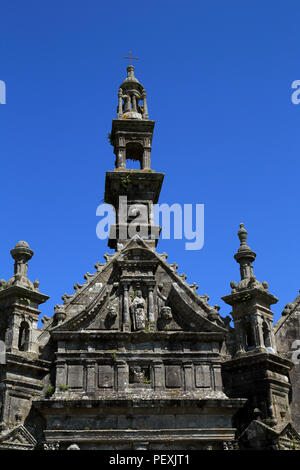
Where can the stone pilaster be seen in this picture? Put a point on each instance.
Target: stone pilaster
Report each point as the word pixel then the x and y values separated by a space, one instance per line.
pixel 90 376
pixel 218 377
pixel 122 375
pixel 126 314
pixel 61 375
pixel 158 370
pixel 188 375
pixel 145 106
pixel 151 307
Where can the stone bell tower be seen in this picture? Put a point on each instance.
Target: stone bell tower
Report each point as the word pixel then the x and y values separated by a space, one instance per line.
pixel 19 301
pixel 22 371
pixel 254 325
pixel 132 192
pixel 256 371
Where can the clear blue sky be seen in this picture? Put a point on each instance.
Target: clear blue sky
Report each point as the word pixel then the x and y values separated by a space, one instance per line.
pixel 218 76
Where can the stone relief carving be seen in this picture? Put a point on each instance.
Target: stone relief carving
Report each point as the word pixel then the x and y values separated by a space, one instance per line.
pixel 111 317
pixel 165 317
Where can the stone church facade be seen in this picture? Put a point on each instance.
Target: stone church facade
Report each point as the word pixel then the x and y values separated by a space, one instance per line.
pixel 135 358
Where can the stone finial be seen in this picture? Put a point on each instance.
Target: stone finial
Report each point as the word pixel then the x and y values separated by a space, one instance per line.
pixel 242 234
pixel 21 253
pixel 59 313
pixel 130 73
pixel 245 256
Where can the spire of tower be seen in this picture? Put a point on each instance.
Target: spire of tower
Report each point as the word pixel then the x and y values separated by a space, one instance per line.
pixel 132 191
pixel 244 256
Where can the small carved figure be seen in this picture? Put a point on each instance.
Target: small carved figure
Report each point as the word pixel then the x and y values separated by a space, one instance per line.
pixel 287 309
pixel 165 317
pixel 137 375
pixel 111 314
pixel 233 286
pixel 110 318
pixel 137 308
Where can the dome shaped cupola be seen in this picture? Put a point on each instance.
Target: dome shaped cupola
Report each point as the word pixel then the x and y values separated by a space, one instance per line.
pixel 132 98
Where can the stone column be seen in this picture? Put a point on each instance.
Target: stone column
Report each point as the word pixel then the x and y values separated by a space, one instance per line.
pixel 239 337
pixel 272 337
pixel 122 375
pixel 127 103
pixel 256 323
pixel 133 100
pixel 145 112
pixel 188 375
pixel 120 105
pixel 151 214
pixel 90 376
pixel 12 332
pixel 271 334
pixel 33 333
pixel 126 315
pixel 146 160
pixel 121 157
pixel 158 372
pixel 151 307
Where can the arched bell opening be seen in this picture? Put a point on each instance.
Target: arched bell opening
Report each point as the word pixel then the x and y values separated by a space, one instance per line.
pixel 134 155
pixel 250 339
pixel 24 333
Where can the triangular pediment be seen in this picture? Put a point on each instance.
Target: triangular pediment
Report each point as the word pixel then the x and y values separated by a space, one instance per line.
pixel 289 432
pixel 18 438
pixel 98 304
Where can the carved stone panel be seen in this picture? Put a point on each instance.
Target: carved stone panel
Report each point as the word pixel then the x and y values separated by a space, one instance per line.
pixel 173 376
pixel 75 376
pixel 203 376
pixel 105 376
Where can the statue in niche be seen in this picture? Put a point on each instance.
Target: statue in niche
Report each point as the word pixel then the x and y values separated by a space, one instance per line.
pixel 137 309
pixel 137 375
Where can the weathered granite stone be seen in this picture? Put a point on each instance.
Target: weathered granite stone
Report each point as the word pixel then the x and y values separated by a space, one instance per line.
pixel 135 358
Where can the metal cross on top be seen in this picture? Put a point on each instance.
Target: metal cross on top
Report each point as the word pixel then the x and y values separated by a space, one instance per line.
pixel 130 57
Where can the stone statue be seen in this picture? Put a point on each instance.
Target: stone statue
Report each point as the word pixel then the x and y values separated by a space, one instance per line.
pixel 165 318
pixel 137 309
pixel 138 375
pixel 110 318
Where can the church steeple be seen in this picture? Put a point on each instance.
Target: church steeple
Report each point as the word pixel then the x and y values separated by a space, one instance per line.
pixel 132 192
pixel 132 131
